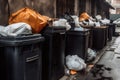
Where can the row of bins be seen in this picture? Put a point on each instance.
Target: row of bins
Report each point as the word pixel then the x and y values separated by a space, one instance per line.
pixel 36 57
pixel 100 35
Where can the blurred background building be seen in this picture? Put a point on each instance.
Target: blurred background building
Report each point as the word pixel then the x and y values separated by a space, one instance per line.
pixel 116 5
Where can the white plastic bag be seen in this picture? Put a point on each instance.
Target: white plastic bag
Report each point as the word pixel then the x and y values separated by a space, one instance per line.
pixel 79 29
pixel 85 22
pixel 97 24
pixel 91 23
pixel 76 19
pixel 62 22
pixel 105 21
pixel 16 29
pixel 75 63
pixel 91 54
pixel 98 17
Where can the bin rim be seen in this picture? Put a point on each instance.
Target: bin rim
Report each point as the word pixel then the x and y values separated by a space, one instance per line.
pixel 55 29
pixel 19 41
pixel 78 33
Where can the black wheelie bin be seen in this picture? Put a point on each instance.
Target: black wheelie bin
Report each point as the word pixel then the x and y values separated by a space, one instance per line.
pixel 20 57
pixel 111 31
pixel 53 53
pixel 90 43
pixel 77 43
pixel 99 37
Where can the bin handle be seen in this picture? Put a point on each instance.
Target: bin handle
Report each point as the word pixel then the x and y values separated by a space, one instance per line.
pixel 33 58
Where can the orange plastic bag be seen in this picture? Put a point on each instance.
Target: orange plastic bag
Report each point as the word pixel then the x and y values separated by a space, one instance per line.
pixel 29 16
pixel 84 16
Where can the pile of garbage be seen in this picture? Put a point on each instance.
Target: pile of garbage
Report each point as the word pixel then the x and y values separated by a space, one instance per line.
pixel 74 62
pixel 37 21
pixel 24 21
pixel 86 20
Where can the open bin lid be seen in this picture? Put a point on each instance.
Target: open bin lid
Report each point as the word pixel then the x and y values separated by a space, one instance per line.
pixel 21 40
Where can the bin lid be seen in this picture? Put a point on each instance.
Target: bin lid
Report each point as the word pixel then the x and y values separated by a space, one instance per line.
pixel 101 27
pixel 110 24
pixel 21 40
pixel 55 29
pixel 80 29
pixel 77 32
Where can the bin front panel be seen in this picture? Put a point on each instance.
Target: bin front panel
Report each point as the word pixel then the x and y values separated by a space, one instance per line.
pixel 23 62
pixel 53 56
pixel 77 44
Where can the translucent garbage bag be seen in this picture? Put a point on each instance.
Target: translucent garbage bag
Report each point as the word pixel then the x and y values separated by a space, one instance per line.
pixel 74 62
pixel 16 29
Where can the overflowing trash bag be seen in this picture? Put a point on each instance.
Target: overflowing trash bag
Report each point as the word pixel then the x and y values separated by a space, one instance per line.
pixel 86 20
pixel 91 23
pixel 84 16
pixel 91 54
pixel 94 22
pixel 76 20
pixel 29 16
pixel 73 62
pixel 79 29
pixel 15 29
pixel 62 22
pixel 70 20
pixel 105 21
pixel 97 24
pixel 98 17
